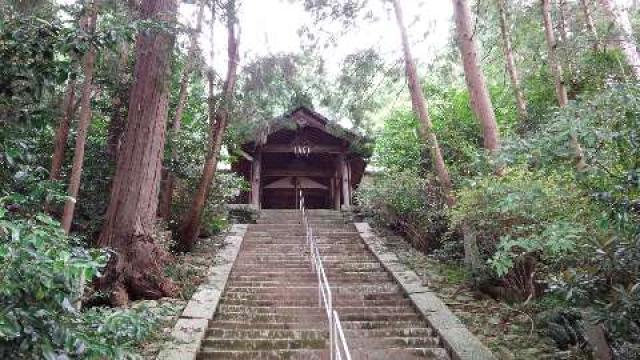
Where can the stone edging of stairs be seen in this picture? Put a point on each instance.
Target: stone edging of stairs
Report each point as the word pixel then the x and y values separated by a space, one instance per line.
pixel 458 340
pixel 191 327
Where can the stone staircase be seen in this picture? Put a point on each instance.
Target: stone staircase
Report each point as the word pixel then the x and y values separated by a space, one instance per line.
pixel 269 309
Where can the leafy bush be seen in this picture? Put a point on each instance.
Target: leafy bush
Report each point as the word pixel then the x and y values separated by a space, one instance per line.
pixel 43 274
pixel 524 214
pixel 408 202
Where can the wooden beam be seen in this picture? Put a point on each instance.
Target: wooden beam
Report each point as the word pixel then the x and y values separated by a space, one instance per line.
pixel 315 149
pixel 307 173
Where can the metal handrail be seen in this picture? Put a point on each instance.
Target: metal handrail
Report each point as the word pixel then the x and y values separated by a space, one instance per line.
pixel 337 342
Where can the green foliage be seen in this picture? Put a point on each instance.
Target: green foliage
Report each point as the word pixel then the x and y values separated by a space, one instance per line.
pixel 407 202
pixel 398 145
pixel 524 214
pixel 44 274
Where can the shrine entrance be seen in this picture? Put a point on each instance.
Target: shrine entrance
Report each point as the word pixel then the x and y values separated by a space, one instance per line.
pixel 299 152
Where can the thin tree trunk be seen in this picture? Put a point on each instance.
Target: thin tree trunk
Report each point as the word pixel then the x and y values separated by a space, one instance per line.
pixel 476 83
pixel 589 24
pixel 136 270
pixel 563 13
pixel 420 108
pixel 620 19
pixel 563 24
pixel 521 103
pixel 118 104
pixel 62 131
pixel 166 193
pixel 88 63
pixel 190 228
pixel 556 69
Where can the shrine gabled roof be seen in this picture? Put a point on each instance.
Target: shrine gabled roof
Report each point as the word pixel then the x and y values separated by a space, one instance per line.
pixel 301 117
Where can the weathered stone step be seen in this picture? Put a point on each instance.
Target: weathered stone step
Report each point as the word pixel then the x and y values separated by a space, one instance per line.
pixel 307 265
pixel 316 316
pixel 299 354
pixel 219 332
pixel 377 296
pixel 312 302
pixel 320 325
pixel 337 290
pixel 264 344
pixel 295 310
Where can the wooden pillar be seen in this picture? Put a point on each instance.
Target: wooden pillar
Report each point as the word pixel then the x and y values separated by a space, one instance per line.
pixel 332 191
pixel 256 168
pixel 336 190
pixel 344 175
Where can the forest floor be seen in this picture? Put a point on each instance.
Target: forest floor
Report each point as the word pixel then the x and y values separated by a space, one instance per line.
pixel 509 330
pixel 187 271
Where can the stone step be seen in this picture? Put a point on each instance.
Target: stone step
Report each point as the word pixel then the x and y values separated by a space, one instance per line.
pixel 270 343
pixel 316 316
pixel 306 354
pixel 284 302
pixel 378 296
pixel 296 310
pixel 319 325
pixel 336 290
pixel 225 333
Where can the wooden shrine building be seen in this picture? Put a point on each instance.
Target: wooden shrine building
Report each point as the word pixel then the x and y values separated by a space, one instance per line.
pixel 300 150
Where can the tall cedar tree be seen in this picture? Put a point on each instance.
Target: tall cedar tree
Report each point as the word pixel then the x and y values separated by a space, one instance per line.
pixel 420 108
pixel 476 83
pixel 88 63
pixel 556 69
pixel 505 32
pixel 624 34
pixel 136 269
pixel 166 193
pixel 218 119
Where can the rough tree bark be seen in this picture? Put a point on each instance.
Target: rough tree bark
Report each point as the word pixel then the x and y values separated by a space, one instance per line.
pixel 218 119
pixel 476 83
pixel 136 269
pixel 521 103
pixel 556 69
pixel 589 24
pixel 62 131
pixel 420 108
pixel 166 193
pixel 624 34
pixel 88 62
pixel 118 104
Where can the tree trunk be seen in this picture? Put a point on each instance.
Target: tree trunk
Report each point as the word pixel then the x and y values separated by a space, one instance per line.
pixel 420 109
pixel 521 103
pixel 118 104
pixel 563 24
pixel 136 270
pixel 476 83
pixel 556 69
pixel 620 19
pixel 62 131
pixel 589 24
pixel 166 193
pixel 563 13
pixel 88 62
pixel 218 119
